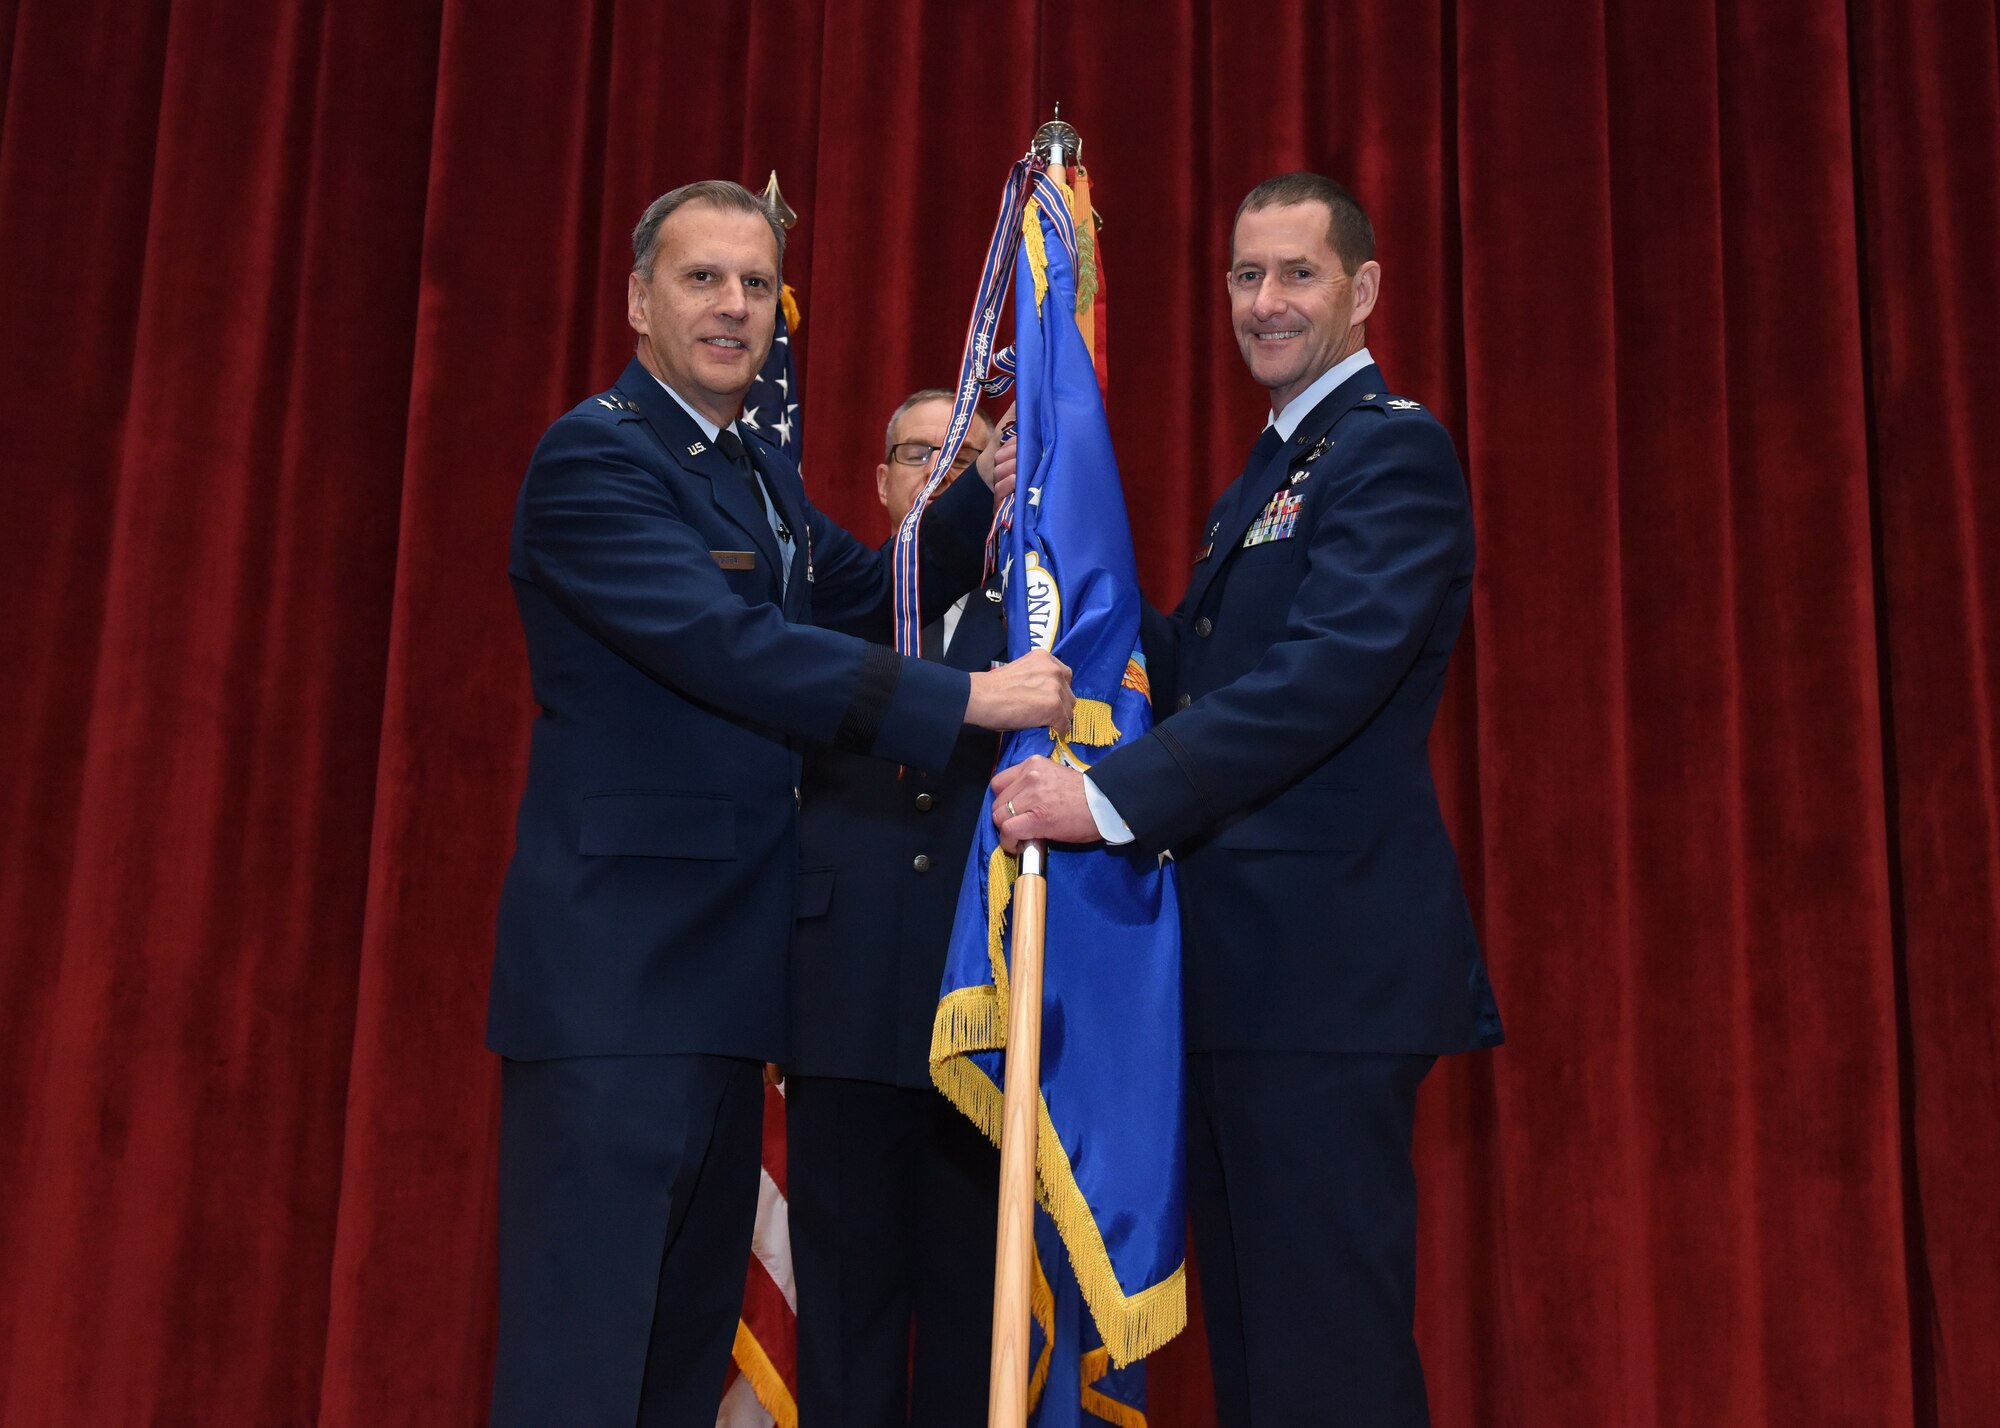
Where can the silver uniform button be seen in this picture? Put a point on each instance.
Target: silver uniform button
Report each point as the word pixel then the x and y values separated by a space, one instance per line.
pixel 922 863
pixel 1204 627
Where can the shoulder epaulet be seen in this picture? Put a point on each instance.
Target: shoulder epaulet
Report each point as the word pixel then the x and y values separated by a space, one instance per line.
pixel 620 407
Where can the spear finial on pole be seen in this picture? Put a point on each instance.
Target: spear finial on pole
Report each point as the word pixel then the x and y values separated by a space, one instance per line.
pixel 778 205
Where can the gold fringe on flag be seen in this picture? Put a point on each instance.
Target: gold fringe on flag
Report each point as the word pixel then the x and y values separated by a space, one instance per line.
pixel 765 1380
pixel 1096 1364
pixel 1090 724
pixel 1041 1304
pixel 1001 870
pixel 1038 255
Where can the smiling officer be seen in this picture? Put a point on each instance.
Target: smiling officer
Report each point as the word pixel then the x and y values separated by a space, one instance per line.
pixel 665 566
pixel 1329 952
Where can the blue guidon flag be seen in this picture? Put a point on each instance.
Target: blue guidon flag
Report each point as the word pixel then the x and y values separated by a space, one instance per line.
pixel 1109 1158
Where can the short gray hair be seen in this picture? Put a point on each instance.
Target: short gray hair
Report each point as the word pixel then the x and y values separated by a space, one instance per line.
pixel 917 399
pixel 717 193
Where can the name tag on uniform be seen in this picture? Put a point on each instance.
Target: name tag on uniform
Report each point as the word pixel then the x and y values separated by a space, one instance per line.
pixel 735 559
pixel 1277 520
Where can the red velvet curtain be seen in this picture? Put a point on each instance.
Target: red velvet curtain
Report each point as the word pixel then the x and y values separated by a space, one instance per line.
pixel 1706 292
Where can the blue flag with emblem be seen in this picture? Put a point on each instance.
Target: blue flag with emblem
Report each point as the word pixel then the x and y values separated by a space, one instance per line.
pixel 1109 1157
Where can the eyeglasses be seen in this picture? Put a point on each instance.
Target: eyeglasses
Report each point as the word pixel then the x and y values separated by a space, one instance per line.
pixel 919 453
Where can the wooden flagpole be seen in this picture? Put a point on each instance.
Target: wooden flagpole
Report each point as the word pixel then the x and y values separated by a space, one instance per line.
pixel 1021 1102
pixel 1007 1391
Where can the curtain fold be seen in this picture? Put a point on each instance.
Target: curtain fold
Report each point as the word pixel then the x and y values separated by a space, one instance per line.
pixel 1705 294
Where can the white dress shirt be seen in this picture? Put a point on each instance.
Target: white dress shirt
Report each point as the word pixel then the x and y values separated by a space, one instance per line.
pixel 708 428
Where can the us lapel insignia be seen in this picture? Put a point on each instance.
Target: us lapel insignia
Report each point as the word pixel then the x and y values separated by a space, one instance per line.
pixel 697 448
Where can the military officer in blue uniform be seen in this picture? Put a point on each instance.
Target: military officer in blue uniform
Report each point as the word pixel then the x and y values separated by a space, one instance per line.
pixel 1329 953
pixel 666 569
pixel 893 1195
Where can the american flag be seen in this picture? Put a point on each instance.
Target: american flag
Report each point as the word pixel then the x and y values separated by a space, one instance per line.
pixel 763 1379
pixel 763 1375
pixel 771 408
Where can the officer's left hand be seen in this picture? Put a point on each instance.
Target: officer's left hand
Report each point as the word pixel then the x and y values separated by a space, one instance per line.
pixel 1040 798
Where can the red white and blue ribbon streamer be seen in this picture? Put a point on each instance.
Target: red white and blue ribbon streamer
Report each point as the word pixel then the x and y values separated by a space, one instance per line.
pixel 981 371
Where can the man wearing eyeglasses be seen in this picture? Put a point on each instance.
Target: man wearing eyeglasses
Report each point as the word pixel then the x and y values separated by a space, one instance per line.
pixel 916 431
pixel 891 1193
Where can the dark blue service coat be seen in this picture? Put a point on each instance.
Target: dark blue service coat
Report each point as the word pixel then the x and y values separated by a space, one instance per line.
pixel 880 861
pixel 1322 908
pixel 648 906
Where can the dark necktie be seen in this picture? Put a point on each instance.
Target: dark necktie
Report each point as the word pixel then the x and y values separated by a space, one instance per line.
pixel 731 447
pixel 931 640
pixel 1267 444
pixel 1268 441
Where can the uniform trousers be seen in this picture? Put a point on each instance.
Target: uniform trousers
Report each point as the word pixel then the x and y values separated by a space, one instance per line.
pixel 893 1198
pixel 628 1190
pixel 1304 1206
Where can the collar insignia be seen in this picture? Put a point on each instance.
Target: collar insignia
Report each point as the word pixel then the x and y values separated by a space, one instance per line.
pixel 697 448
